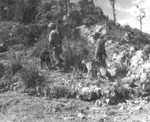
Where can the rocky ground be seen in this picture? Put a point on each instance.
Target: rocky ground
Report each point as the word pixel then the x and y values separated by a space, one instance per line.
pixel 18 107
pixel 21 107
pixel 71 97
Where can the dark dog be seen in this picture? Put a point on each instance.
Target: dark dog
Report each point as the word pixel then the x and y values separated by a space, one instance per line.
pixel 146 49
pixel 45 58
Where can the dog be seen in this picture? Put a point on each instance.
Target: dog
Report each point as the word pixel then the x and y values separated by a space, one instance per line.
pixel 92 67
pixel 146 49
pixel 96 67
pixel 45 59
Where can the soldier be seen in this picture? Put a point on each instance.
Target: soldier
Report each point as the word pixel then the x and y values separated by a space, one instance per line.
pixel 55 44
pixel 100 52
pixel 60 28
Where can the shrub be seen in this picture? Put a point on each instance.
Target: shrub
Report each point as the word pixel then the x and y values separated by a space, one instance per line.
pixel 34 31
pixel 4 83
pixel 31 76
pixel 74 52
pixel 59 91
pixel 12 33
pixel 14 62
pixel 3 47
pixel 39 47
pixel 122 69
pixel 8 74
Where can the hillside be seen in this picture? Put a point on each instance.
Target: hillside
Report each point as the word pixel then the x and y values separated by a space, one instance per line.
pixel 31 93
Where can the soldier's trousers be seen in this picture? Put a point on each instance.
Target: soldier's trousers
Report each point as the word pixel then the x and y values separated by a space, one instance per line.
pixel 57 55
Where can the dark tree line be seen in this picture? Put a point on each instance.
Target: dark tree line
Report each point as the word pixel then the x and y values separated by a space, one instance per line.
pixel 23 11
pixel 33 11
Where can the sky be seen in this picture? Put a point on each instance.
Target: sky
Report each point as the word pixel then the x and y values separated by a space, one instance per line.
pixel 126 12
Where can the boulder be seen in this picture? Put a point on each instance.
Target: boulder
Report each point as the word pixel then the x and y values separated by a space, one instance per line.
pixel 90 93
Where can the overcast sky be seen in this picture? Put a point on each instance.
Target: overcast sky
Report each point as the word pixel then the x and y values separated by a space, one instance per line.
pixel 126 12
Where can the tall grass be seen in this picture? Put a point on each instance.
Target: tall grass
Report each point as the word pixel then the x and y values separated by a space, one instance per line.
pixel 75 51
pixel 14 62
pixel 31 76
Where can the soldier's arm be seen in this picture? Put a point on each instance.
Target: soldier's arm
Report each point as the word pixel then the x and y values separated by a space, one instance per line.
pixel 61 35
pixel 97 46
pixel 60 41
pixel 51 39
pixel 105 52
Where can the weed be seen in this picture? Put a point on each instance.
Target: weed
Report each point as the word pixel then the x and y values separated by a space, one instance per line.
pixel 14 62
pixel 32 77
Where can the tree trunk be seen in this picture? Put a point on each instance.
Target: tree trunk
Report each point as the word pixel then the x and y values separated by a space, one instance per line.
pixel 114 15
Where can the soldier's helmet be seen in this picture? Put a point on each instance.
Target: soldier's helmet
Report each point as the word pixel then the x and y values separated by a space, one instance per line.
pixel 52 25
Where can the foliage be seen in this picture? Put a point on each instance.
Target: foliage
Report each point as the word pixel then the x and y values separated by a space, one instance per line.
pixel 90 13
pixel 74 52
pixel 141 15
pixel 14 63
pixel 12 33
pixel 31 76
pixel 137 37
pixel 58 91
pixel 32 13
pixel 122 69
pixel 19 10
pixel 39 47
pixel 7 8
pixel 49 11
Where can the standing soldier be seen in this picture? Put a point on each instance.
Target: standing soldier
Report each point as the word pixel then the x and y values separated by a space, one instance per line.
pixel 60 28
pixel 100 52
pixel 55 44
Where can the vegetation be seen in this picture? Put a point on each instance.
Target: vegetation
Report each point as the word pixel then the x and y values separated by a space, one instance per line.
pixel 32 77
pixel 141 15
pixel 112 2
pixel 24 35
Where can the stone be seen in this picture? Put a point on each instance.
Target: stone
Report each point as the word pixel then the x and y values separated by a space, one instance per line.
pixel 90 93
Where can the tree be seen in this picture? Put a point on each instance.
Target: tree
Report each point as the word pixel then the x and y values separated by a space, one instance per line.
pixel 112 2
pixel 7 9
pixel 19 10
pixel 141 15
pixel 30 10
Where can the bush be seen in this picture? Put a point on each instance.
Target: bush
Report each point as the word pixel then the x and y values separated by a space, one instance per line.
pixel 32 77
pixel 14 63
pixel 34 31
pixel 7 9
pixel 3 48
pixel 12 33
pixel 75 51
pixel 122 69
pixel 39 47
pixel 59 91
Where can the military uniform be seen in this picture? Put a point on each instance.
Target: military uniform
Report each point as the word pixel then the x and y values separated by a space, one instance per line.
pixel 100 52
pixel 56 45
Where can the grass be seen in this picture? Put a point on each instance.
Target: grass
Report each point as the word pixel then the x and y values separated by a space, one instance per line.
pixel 31 76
